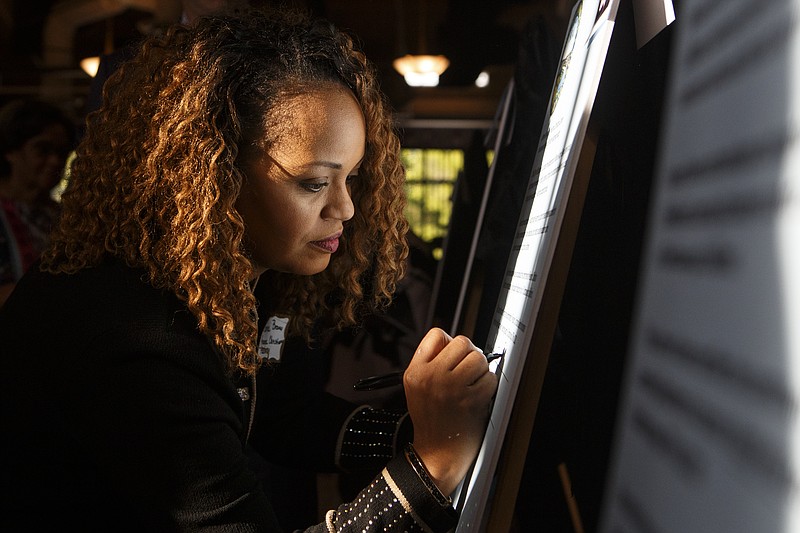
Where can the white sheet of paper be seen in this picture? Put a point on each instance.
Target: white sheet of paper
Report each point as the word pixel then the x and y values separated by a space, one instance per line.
pixel 708 430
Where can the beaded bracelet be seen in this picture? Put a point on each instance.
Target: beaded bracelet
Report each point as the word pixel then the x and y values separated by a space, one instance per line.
pixel 425 476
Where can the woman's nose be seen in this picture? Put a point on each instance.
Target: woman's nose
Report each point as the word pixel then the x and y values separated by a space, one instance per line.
pixel 340 205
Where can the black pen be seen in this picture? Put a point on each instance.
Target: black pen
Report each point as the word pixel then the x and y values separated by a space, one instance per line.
pixel 396 378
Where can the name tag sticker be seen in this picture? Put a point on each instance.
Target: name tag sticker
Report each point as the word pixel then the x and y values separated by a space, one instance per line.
pixel 270 345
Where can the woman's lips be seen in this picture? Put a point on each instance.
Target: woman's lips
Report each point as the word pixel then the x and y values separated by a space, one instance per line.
pixel 331 244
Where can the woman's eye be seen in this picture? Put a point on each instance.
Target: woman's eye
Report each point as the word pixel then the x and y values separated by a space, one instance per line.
pixel 313 186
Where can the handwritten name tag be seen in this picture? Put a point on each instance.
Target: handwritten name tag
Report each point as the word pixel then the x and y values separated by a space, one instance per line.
pixel 270 345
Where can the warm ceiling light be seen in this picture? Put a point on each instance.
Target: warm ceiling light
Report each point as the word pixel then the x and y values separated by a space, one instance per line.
pixel 90 65
pixel 482 80
pixel 421 70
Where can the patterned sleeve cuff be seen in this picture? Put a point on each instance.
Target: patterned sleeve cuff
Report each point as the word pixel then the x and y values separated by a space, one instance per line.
pixel 397 501
pixel 425 503
pixel 370 438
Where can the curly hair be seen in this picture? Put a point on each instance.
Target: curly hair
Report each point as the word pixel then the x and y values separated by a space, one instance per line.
pixel 158 173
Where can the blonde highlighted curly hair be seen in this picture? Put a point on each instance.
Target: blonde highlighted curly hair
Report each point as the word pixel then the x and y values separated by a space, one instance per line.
pixel 157 175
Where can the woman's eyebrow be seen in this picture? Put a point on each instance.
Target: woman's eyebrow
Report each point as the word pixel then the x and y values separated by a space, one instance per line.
pixel 326 164
pixel 318 163
pixel 331 164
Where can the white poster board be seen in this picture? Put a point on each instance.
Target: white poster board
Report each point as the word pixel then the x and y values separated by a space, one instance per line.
pixel 574 90
pixel 707 438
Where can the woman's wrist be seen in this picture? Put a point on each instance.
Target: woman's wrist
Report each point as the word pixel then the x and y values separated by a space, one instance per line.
pixel 424 474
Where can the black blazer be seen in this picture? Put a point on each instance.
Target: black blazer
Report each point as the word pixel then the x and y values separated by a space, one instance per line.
pixel 118 415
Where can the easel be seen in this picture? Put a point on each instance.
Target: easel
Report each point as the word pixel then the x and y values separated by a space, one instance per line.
pixel 443 302
pixel 528 310
pixel 526 313
pixel 622 65
pixel 512 458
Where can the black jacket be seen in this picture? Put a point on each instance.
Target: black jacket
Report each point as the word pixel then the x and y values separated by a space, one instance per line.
pixel 118 415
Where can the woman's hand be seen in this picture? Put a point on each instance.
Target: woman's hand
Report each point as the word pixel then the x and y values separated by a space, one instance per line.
pixel 449 390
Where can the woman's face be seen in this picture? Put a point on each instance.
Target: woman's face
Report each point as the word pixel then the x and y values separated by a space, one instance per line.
pixel 37 165
pixel 296 199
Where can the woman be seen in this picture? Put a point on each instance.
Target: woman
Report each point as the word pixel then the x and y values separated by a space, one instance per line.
pixel 249 148
pixel 35 139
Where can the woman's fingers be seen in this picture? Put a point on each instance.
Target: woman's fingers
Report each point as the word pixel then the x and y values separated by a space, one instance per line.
pixel 472 367
pixel 446 364
pixel 432 344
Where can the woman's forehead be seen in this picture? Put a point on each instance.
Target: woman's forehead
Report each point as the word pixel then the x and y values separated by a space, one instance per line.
pixel 308 115
pixel 323 128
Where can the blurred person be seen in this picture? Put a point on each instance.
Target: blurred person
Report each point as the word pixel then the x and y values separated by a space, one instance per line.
pixel 35 140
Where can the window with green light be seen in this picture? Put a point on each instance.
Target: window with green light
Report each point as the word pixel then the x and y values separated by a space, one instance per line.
pixel 430 178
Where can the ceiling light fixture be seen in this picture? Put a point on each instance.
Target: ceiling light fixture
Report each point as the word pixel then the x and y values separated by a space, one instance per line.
pixel 482 80
pixel 421 70
pixel 90 65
